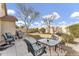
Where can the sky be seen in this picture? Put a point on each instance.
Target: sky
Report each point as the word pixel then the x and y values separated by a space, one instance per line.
pixel 67 13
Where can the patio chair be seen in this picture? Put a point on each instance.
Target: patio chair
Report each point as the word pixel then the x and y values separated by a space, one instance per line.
pixel 9 38
pixel 19 34
pixel 35 49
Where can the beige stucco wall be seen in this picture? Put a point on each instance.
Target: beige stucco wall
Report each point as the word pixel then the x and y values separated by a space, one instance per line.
pixel 7 26
pixel 0 29
pixel 7 23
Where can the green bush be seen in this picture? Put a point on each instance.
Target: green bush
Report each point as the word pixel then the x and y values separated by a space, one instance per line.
pixel 67 38
pixel 17 27
pixel 42 30
pixel 74 30
pixel 33 30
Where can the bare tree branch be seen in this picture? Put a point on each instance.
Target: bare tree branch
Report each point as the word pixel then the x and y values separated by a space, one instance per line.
pixel 27 14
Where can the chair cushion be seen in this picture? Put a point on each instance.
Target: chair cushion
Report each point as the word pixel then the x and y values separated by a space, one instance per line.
pixel 37 47
pixel 10 39
pixel 31 40
pixel 9 35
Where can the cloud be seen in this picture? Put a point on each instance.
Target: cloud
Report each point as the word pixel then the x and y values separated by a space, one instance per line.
pixel 57 15
pixel 35 25
pixel 38 24
pixel 76 22
pixel 19 23
pixel 11 12
pixel 51 16
pixel 75 15
pixel 63 22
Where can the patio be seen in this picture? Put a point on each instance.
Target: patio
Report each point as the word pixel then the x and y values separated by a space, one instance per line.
pixel 20 49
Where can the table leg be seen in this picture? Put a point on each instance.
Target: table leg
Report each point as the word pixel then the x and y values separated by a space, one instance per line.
pixel 50 50
pixel 56 50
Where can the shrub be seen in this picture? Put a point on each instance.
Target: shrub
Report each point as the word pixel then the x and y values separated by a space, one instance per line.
pixel 67 38
pixel 42 30
pixel 74 29
pixel 33 30
pixel 17 27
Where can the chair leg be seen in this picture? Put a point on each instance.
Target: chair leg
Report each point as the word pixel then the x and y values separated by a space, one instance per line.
pixel 45 51
pixel 28 50
pixel 55 47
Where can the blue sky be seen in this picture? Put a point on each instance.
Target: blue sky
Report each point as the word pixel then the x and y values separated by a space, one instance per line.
pixel 69 13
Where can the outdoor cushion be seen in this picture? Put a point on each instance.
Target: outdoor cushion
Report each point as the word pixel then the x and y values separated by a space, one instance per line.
pixel 32 40
pixel 37 47
pixel 9 35
pixel 10 39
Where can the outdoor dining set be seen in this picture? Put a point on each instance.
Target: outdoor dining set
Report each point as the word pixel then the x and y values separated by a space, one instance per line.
pixel 35 47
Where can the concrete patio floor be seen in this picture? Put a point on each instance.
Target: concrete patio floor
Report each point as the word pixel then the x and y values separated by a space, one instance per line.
pixel 20 49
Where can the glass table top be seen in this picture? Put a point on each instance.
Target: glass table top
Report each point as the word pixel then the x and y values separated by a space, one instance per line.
pixel 49 42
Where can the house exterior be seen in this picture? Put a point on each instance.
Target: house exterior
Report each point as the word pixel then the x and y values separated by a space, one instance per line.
pixel 7 23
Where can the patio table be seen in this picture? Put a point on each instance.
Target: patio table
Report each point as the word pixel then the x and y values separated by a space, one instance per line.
pixel 50 43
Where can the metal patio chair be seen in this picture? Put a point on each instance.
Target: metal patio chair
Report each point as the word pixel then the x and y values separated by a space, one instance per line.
pixel 9 38
pixel 35 49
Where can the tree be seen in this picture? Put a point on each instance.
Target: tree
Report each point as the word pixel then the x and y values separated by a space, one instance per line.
pixel 27 14
pixel 50 18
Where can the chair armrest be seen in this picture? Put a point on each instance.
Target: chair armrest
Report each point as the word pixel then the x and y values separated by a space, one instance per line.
pixel 42 48
pixel 37 43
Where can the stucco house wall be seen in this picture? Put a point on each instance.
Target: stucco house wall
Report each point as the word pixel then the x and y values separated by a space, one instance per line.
pixel 7 24
pixel 0 29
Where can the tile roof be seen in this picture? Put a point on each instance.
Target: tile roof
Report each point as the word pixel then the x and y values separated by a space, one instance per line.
pixel 8 18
